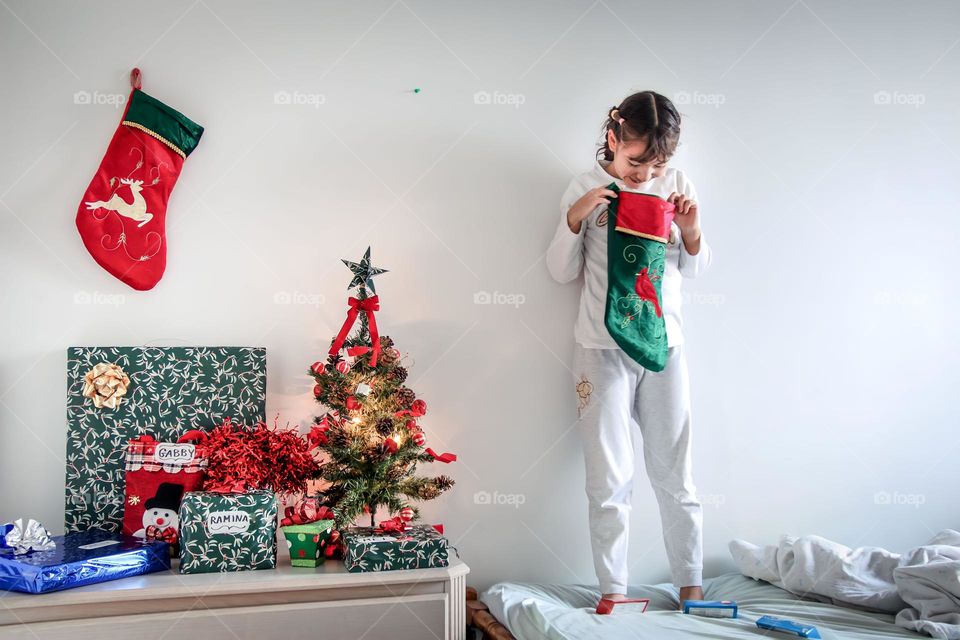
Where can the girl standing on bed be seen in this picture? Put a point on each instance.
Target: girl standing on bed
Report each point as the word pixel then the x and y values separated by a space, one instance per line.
pixel 613 390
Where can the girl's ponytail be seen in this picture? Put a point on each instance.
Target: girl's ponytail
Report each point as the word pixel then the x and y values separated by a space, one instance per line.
pixel 645 116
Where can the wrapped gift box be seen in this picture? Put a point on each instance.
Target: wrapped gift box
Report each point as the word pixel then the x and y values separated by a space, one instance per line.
pixel 307 542
pixel 228 531
pixel 171 390
pixel 418 547
pixel 80 559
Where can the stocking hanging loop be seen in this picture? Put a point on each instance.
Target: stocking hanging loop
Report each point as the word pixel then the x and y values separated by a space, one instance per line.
pixel 136 78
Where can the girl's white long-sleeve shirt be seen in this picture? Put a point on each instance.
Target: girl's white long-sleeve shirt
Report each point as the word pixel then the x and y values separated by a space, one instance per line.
pixel 570 252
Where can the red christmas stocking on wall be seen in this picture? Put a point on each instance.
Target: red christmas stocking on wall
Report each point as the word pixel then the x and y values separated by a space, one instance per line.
pixel 122 216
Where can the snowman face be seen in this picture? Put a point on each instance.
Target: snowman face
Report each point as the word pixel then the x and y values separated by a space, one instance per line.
pixel 162 518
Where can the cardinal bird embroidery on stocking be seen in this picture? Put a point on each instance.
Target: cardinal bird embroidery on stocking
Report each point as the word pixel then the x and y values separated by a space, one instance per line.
pixel 638 230
pixel 646 291
pixel 122 215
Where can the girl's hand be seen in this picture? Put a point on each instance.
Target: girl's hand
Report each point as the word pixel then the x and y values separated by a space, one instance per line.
pixel 585 206
pixel 687 216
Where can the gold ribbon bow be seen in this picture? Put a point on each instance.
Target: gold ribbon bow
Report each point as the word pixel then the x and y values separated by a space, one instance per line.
pixel 105 384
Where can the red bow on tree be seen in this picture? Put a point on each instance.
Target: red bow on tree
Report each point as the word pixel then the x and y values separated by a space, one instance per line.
pixel 442 457
pixel 168 535
pixel 318 434
pixel 368 306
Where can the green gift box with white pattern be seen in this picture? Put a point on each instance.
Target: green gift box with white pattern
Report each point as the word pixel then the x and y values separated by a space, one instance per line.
pixel 228 531
pixel 171 390
pixel 418 547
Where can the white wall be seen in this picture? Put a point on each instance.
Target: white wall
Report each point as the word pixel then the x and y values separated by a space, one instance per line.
pixel 821 344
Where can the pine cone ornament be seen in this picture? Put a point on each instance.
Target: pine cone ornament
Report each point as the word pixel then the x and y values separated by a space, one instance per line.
pixel 338 438
pixel 338 394
pixel 384 426
pixel 404 397
pixel 428 492
pixel 389 356
pixel 397 375
pixel 386 342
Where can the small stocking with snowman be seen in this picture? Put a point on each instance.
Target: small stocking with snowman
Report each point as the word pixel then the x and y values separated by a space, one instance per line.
pixel 157 475
pixel 160 515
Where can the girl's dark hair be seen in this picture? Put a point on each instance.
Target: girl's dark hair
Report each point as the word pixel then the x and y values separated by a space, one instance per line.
pixel 646 116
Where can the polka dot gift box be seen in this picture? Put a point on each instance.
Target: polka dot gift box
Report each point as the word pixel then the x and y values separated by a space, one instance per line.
pixel 308 542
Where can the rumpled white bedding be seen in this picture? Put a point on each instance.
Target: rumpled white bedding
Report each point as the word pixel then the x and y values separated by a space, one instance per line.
pixel 921 586
pixel 566 612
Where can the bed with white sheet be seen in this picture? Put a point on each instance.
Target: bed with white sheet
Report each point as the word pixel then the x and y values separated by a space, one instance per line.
pixel 566 612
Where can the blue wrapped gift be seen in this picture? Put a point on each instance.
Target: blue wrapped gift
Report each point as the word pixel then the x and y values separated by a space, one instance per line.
pixel 82 558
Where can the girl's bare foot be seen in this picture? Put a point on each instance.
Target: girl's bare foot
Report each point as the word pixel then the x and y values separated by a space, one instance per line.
pixel 690 593
pixel 616 597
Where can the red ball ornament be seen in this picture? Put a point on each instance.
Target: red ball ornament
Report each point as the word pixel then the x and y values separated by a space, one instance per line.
pixel 318 367
pixel 352 403
pixel 411 425
pixel 419 438
pixel 317 390
pixel 343 367
pixel 391 445
pixel 406 514
pixel 418 408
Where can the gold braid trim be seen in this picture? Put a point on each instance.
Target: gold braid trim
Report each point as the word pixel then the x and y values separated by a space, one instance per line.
pixel 137 125
pixel 648 236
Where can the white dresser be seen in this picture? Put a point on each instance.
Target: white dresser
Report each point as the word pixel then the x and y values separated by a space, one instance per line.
pixel 284 604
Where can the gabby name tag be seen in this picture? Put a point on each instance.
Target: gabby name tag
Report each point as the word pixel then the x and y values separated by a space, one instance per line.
pixel 229 522
pixel 173 452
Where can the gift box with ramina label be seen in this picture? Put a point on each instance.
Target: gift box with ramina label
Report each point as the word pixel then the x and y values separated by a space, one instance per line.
pixel 416 547
pixel 228 531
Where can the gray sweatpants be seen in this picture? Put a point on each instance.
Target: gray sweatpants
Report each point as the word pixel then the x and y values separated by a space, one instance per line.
pixel 613 391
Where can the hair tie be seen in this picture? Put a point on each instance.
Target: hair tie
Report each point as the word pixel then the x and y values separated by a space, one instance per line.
pixel 615 115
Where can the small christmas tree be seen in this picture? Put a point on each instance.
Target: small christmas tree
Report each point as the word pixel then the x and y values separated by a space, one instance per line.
pixel 370 433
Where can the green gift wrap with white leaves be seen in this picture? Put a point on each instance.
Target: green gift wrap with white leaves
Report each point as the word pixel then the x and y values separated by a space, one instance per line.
pixel 228 531
pixel 171 390
pixel 418 547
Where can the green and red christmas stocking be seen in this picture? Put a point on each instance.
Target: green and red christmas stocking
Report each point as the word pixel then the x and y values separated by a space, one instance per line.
pixel 122 216
pixel 638 231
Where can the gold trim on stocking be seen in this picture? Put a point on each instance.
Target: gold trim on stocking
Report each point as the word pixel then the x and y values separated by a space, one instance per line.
pixel 149 132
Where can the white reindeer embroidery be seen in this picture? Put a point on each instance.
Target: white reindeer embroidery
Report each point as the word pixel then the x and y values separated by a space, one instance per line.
pixel 135 210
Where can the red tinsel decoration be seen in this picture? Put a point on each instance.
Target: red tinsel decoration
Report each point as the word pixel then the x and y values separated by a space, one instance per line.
pixel 242 458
